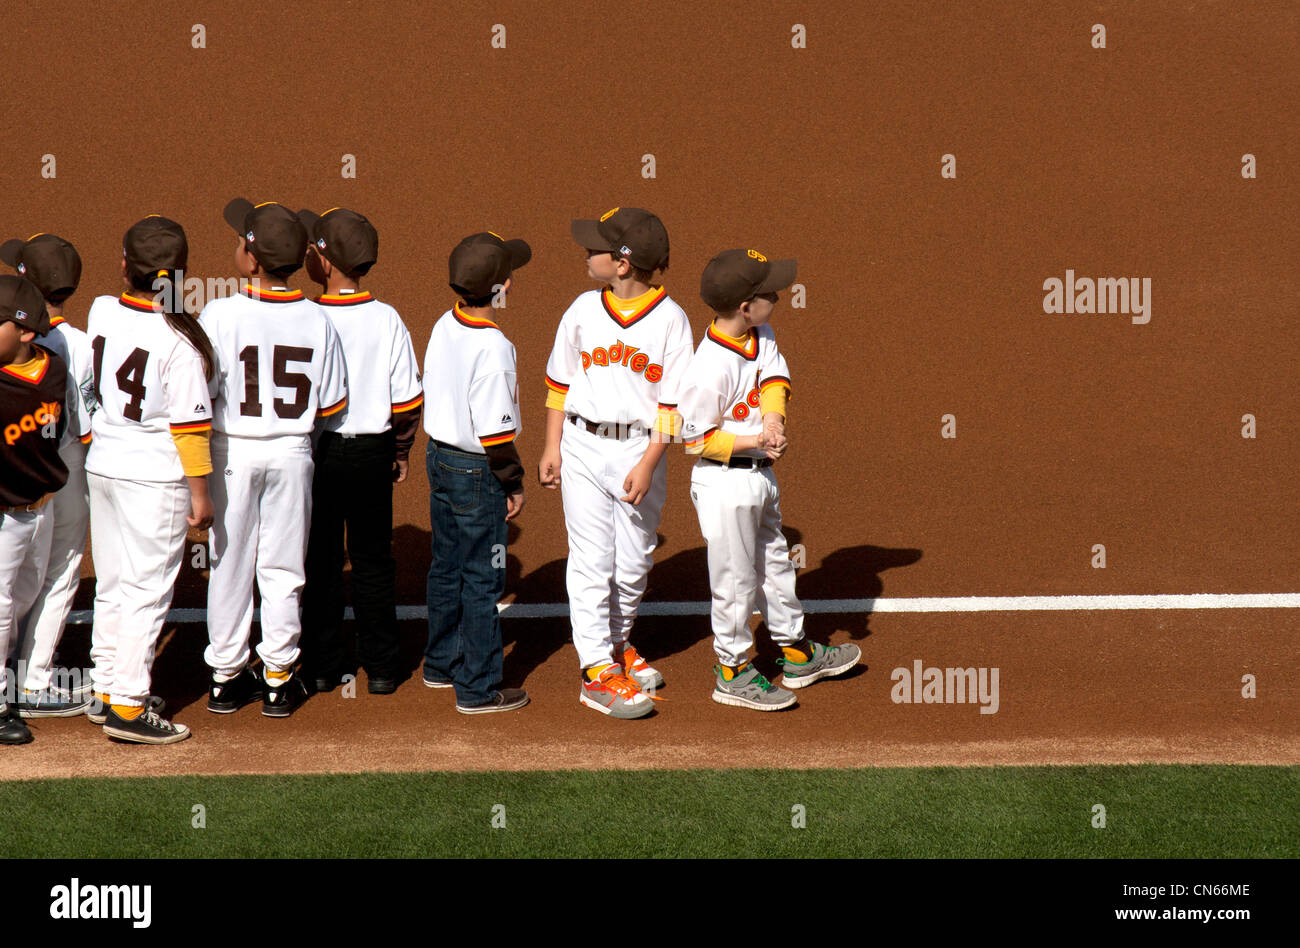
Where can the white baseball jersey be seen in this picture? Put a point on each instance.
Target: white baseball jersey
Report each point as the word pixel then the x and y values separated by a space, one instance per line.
pixel 615 368
pixel 374 339
pixel 724 383
pixel 73 347
pixel 149 383
pixel 471 391
pixel 279 364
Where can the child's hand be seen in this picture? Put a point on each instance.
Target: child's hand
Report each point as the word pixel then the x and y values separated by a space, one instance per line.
pixel 202 513
pixel 548 471
pixel 399 471
pixel 514 504
pixel 637 484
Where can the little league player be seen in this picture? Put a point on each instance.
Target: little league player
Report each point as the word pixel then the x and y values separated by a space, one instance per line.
pixel 475 475
pixel 364 452
pixel 147 469
pixel 54 266
pixel 280 368
pixel 33 389
pixel 733 406
pixel 613 375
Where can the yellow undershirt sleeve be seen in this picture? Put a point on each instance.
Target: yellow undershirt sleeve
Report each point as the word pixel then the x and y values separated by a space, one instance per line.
pixel 774 398
pixel 718 448
pixel 668 422
pixel 196 456
pixel 555 399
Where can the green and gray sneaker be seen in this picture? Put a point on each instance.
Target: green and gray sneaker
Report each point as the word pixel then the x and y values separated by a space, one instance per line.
pixel 826 662
pixel 750 689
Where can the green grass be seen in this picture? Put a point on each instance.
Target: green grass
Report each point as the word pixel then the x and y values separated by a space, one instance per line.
pixel 1151 811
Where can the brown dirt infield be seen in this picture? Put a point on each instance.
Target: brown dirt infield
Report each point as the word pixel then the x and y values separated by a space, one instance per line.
pixel 924 298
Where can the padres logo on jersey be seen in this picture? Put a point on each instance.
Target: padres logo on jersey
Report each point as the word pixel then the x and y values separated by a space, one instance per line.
pixel 48 413
pixel 627 356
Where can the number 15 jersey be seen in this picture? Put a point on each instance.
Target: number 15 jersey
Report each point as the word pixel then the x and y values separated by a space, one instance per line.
pixel 279 364
pixel 149 383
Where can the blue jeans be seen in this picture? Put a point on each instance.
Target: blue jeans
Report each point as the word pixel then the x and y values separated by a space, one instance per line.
pixel 467 515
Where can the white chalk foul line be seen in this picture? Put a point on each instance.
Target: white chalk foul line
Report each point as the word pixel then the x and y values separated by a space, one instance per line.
pixel 555 610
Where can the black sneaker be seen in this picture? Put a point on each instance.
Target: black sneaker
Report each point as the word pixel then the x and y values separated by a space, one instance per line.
pixel 97 711
pixel 227 697
pixel 281 698
pixel 13 730
pixel 507 699
pixel 148 728
pixel 435 681
pixel 50 703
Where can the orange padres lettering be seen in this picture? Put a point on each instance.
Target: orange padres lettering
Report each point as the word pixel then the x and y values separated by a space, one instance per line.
pixel 48 412
pixel 625 355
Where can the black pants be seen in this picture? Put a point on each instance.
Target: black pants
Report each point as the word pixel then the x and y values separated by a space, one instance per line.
pixel 352 491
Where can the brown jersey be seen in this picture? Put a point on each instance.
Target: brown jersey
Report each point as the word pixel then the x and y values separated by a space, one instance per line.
pixel 32 420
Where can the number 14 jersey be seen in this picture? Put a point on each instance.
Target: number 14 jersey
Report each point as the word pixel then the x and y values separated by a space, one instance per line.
pixel 149 383
pixel 279 364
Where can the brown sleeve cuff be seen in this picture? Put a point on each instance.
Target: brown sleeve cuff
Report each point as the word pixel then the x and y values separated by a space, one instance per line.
pixel 405 424
pixel 503 460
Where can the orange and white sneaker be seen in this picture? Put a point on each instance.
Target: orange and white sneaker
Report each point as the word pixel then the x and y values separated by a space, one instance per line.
pixel 638 669
pixel 611 692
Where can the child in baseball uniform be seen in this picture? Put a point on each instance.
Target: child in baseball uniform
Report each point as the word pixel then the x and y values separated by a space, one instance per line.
pixel 147 470
pixel 613 376
pixel 279 369
pixel 33 390
pixel 54 266
pixel 733 407
pixel 475 475
pixel 359 458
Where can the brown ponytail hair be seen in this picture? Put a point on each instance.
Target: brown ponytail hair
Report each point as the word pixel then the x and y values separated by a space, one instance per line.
pixel 182 323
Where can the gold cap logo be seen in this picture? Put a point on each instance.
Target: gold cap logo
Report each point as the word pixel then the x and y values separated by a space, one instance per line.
pixel 757 256
pixel 608 214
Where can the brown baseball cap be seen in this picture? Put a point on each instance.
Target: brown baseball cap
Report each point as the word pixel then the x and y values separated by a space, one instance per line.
pixel 734 276
pixel 343 237
pixel 273 233
pixel 22 302
pixel 155 247
pixel 629 232
pixel 50 262
pixel 482 262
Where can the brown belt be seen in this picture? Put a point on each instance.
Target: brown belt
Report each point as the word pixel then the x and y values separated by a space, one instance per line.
pixel 611 429
pixel 747 463
pixel 21 508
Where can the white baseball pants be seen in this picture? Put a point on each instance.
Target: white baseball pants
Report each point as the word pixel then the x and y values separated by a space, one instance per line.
pixel 611 543
pixel 70 512
pixel 749 561
pixel 24 549
pixel 137 547
pixel 261 492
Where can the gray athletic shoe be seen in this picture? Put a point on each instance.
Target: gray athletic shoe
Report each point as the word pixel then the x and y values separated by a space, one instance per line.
pixel 826 662
pixel 750 689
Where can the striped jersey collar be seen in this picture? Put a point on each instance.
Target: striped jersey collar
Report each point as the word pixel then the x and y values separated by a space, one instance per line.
pixel 657 296
pixel 278 295
pixel 472 321
pixel 57 321
pixel 344 299
pixel 137 303
pixel 749 350
pixel 33 370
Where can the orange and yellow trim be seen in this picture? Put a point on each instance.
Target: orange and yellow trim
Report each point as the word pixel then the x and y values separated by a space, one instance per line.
pixel 33 370
pixel 557 387
pixel 333 409
pixel 57 321
pixel 191 427
pixel 749 350
pixel 767 383
pixel 272 296
pixel 501 437
pixel 137 303
pixel 657 296
pixel 343 299
pixel 416 402
pixel 472 321
pixel 85 439
pixel 702 439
